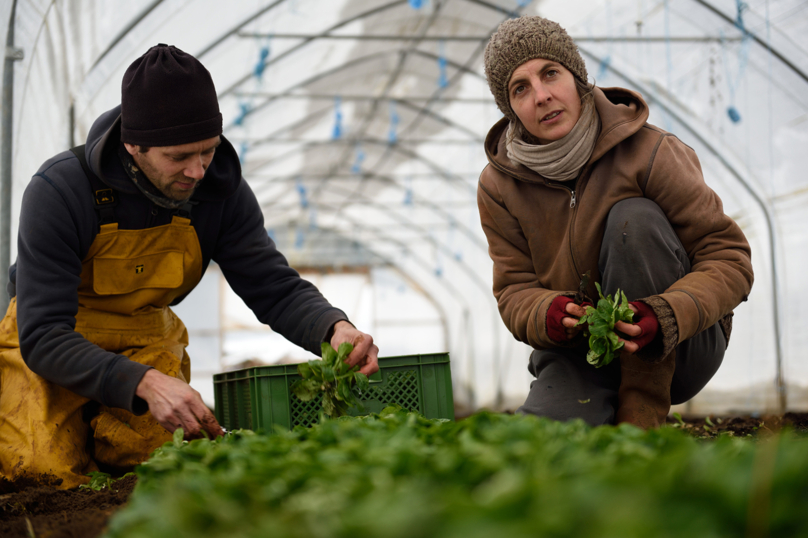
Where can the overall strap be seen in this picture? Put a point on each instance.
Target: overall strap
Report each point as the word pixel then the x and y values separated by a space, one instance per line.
pixel 104 198
pixel 184 210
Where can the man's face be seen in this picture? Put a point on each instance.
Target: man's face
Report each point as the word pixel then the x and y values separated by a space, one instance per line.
pixel 543 95
pixel 176 170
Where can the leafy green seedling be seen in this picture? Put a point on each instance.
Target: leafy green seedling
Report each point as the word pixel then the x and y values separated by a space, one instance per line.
pixel 99 480
pixel 332 377
pixel 603 341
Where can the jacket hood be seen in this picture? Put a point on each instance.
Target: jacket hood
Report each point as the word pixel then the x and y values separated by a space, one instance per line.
pixel 221 180
pixel 622 113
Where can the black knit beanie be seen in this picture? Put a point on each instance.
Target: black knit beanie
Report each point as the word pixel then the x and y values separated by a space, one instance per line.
pixel 168 99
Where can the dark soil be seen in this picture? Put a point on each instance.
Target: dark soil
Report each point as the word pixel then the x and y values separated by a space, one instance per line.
pixel 48 512
pixel 745 426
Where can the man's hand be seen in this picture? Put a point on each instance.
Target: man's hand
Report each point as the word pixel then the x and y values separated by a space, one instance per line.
pixel 365 353
pixel 174 404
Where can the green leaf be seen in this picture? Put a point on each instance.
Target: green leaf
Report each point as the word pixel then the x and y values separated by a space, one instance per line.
pixel 179 434
pixel 316 368
pixel 345 349
pixel 306 389
pixel 329 355
pixel 304 370
pixel 597 344
pixel 600 292
pixel 328 405
pixel 98 481
pixel 601 327
pixel 362 382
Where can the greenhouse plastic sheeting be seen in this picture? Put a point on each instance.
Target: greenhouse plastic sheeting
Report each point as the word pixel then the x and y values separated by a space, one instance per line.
pixel 360 126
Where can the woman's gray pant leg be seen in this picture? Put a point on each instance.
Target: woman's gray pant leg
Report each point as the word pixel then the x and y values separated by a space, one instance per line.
pixel 568 387
pixel 643 256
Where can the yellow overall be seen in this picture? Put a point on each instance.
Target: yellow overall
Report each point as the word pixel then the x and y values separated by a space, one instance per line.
pixel 128 279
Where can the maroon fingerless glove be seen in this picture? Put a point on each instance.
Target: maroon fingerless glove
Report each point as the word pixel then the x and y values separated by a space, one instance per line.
pixel 555 330
pixel 645 319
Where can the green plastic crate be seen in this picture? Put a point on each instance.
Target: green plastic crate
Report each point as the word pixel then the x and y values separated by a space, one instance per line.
pixel 260 397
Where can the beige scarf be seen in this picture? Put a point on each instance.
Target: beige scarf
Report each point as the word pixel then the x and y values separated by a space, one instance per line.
pixel 562 159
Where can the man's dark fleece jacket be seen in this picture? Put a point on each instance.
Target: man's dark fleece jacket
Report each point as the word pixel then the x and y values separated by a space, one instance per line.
pixel 58 223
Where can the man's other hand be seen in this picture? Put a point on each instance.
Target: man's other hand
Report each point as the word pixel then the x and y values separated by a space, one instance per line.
pixel 365 353
pixel 174 404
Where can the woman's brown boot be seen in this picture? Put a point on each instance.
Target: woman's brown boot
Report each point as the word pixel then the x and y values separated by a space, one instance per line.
pixel 644 398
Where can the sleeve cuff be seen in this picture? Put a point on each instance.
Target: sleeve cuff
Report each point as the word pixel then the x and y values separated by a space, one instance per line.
pixel 323 327
pixel 668 335
pixel 121 384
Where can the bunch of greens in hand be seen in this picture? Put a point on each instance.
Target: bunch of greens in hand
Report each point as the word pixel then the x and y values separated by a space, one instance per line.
pixel 603 341
pixel 332 377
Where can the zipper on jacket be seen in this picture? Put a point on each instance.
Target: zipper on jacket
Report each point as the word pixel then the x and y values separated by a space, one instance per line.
pixel 558 185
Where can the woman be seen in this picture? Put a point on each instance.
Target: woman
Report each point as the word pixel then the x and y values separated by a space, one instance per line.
pixel 578 182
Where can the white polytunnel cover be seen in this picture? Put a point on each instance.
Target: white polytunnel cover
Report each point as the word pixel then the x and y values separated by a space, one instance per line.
pixel 360 126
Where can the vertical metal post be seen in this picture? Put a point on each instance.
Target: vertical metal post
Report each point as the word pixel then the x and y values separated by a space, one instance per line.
pixel 6 133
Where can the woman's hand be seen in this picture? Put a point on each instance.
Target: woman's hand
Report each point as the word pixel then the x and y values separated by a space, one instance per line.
pixel 570 322
pixel 562 318
pixel 643 331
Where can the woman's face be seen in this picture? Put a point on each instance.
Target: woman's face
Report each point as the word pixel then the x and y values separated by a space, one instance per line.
pixel 544 97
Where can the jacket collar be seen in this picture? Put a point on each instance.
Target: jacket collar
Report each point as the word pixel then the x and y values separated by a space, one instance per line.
pixel 622 113
pixel 221 179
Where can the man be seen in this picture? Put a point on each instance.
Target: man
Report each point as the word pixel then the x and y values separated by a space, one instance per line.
pixel 110 235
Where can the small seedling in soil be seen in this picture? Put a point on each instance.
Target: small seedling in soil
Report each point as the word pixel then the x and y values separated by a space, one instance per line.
pixel 99 480
pixel 603 341
pixel 331 377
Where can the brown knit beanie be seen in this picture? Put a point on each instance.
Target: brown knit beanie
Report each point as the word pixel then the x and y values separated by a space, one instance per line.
pixel 168 99
pixel 517 41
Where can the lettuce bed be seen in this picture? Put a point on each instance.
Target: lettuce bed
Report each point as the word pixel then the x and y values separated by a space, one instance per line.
pixel 398 474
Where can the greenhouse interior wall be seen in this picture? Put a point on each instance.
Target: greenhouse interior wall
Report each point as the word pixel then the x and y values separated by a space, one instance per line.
pixel 360 123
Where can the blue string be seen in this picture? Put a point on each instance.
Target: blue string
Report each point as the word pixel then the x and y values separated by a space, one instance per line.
pixel 408 194
pixel 300 238
pixel 740 6
pixel 734 82
pixel 743 59
pixel 301 190
pixel 244 109
pixel 443 79
pixel 271 234
pixel 416 4
pixel 242 152
pixel 604 66
pixel 357 165
pixel 337 133
pixel 392 137
pixel 260 66
pixel 312 218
